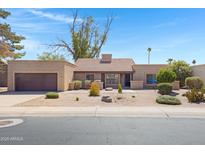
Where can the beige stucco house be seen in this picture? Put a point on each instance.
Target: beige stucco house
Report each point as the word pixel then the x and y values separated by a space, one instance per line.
pixel 35 75
pixel 199 70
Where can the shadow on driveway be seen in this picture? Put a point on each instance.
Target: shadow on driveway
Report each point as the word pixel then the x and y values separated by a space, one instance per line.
pixel 23 93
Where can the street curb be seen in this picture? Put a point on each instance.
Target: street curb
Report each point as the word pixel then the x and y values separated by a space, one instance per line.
pixel 97 111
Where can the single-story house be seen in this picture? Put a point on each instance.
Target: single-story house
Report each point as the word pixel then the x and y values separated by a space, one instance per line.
pixel 111 71
pixel 35 75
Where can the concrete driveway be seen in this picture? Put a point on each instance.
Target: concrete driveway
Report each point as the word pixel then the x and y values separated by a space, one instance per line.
pixel 8 99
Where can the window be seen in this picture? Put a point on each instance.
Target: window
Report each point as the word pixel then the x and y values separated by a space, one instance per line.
pixel 89 77
pixel 112 78
pixel 151 79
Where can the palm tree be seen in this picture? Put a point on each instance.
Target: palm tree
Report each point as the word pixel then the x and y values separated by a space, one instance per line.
pixel 149 51
pixel 169 61
pixel 194 62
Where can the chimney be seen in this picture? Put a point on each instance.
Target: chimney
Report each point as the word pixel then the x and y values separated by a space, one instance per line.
pixel 106 58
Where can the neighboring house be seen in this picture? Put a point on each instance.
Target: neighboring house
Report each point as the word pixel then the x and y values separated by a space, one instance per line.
pixel 3 74
pixel 35 75
pixel 110 71
pixel 199 70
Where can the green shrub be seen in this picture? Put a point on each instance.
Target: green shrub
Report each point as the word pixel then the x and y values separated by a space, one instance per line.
pixel 194 82
pixel 77 99
pixel 166 99
pixel 164 88
pixel 203 89
pixel 195 95
pixel 52 95
pixel 165 75
pixel 77 84
pixel 87 84
pixel 119 88
pixel 94 89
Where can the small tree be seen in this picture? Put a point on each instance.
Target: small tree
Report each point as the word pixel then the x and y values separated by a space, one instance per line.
pixel 51 56
pixel 166 75
pixel 182 70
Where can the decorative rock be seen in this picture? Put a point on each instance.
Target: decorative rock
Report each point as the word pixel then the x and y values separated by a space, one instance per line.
pixel 106 99
pixel 109 89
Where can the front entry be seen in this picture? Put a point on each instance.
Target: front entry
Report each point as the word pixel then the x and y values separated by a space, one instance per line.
pixel 127 80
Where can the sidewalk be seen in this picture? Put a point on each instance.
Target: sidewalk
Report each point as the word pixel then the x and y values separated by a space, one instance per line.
pixel 96 111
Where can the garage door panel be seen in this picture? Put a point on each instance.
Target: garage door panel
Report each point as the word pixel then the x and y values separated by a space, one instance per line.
pixel 35 81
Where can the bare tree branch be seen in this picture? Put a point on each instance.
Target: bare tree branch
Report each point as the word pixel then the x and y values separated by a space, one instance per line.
pixel 86 39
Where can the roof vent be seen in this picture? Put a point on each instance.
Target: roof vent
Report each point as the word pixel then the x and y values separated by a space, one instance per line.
pixel 106 58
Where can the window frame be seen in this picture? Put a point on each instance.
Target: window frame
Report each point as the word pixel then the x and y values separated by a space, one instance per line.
pixel 153 80
pixel 92 74
pixel 112 80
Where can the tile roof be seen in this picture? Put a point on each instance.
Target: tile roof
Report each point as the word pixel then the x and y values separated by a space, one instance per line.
pixel 95 65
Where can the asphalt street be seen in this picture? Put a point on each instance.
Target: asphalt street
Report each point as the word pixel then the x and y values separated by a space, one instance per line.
pixel 105 131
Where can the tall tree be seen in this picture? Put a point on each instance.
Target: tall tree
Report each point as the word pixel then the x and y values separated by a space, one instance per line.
pixel 51 56
pixel 86 38
pixel 170 60
pixel 194 62
pixel 9 41
pixel 149 52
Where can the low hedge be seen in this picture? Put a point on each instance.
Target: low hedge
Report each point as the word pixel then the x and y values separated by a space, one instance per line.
pixel 194 82
pixel 166 99
pixel 52 95
pixel 164 88
pixel 77 84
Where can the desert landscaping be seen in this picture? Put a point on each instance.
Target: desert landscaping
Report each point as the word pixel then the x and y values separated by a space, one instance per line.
pixel 127 98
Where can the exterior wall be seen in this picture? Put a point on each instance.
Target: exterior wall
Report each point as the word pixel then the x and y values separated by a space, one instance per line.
pixel 3 75
pixel 199 70
pixel 82 76
pixel 122 80
pixel 79 76
pixel 140 71
pixel 62 68
pixel 68 75
pixel 136 84
pixel 97 76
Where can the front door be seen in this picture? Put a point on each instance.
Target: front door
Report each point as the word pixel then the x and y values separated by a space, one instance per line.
pixel 127 80
pixel 103 79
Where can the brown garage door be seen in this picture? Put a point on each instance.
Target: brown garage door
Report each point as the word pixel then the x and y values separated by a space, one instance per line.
pixel 35 81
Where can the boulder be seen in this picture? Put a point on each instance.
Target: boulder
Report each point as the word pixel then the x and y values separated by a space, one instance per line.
pixel 109 89
pixel 106 99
